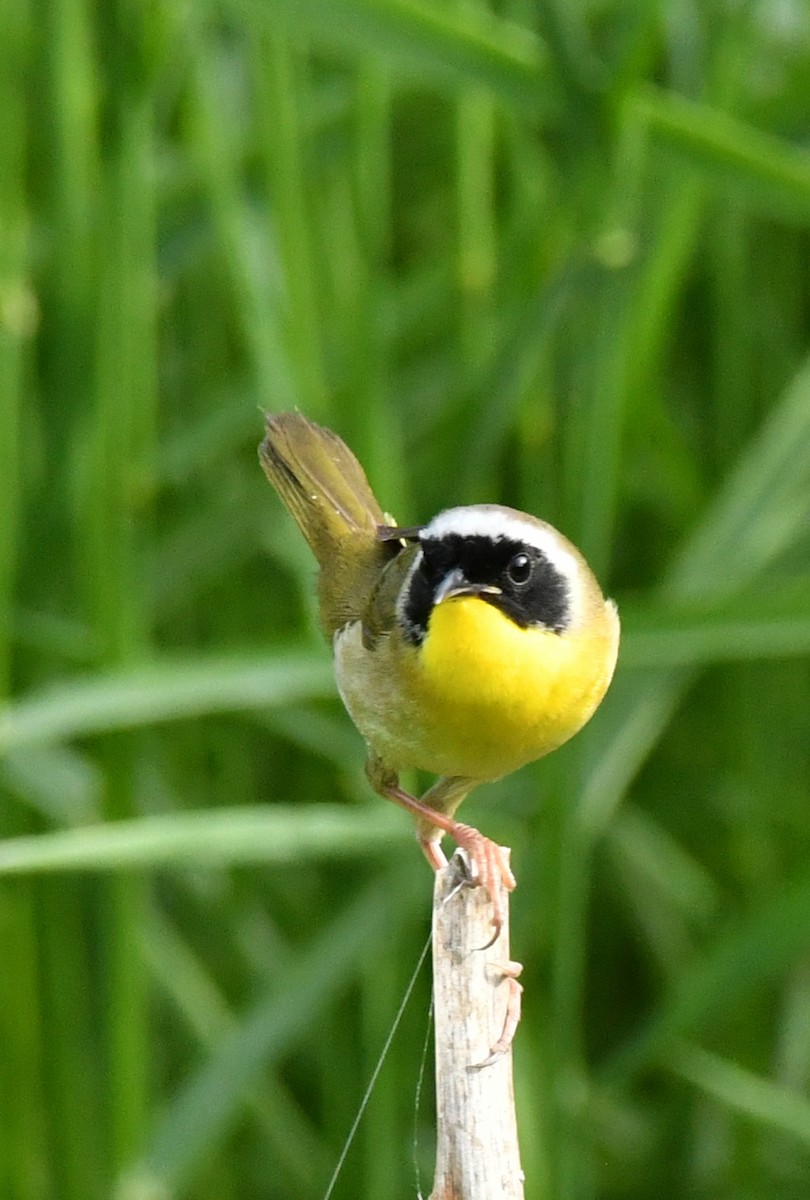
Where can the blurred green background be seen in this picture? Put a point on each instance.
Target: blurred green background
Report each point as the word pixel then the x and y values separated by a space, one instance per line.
pixel 547 254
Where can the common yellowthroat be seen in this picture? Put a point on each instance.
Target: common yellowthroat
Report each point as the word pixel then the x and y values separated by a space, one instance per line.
pixel 466 647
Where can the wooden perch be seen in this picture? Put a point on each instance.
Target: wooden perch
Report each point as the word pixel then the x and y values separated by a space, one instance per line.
pixel 477 1155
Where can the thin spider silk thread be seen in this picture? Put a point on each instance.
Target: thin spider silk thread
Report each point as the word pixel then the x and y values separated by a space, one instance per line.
pixel 417 1104
pixel 378 1067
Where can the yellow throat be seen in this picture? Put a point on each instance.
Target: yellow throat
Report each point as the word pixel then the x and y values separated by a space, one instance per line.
pixel 498 696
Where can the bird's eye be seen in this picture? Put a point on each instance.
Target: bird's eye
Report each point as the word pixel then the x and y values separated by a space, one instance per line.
pixel 519 569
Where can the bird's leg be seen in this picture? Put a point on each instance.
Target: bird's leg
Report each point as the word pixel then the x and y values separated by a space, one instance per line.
pixel 434 813
pixel 488 861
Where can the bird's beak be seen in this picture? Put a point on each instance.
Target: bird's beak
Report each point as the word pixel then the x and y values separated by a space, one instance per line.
pixel 455 584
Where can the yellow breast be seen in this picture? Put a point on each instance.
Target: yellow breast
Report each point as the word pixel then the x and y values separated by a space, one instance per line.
pixel 492 696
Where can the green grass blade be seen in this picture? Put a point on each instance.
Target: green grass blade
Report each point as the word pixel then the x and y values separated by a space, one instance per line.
pixel 767 172
pixel 205 1106
pixel 741 963
pixel 438 44
pixel 773 625
pixel 274 834
pixel 762 1100
pixel 162 692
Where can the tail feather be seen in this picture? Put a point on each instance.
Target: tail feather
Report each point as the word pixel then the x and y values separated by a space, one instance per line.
pixel 320 481
pixel 326 491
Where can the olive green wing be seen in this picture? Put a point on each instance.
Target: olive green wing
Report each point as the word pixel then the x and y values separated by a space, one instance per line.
pixel 380 614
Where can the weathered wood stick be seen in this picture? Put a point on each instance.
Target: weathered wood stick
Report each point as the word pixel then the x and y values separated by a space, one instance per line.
pixel 477 1156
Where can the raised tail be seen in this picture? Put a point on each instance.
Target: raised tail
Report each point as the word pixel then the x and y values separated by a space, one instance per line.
pixel 326 491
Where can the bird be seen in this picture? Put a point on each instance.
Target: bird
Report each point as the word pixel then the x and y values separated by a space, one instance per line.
pixel 466 647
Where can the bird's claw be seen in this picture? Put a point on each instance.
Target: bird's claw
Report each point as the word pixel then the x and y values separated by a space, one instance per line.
pixel 489 864
pixel 511 1018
